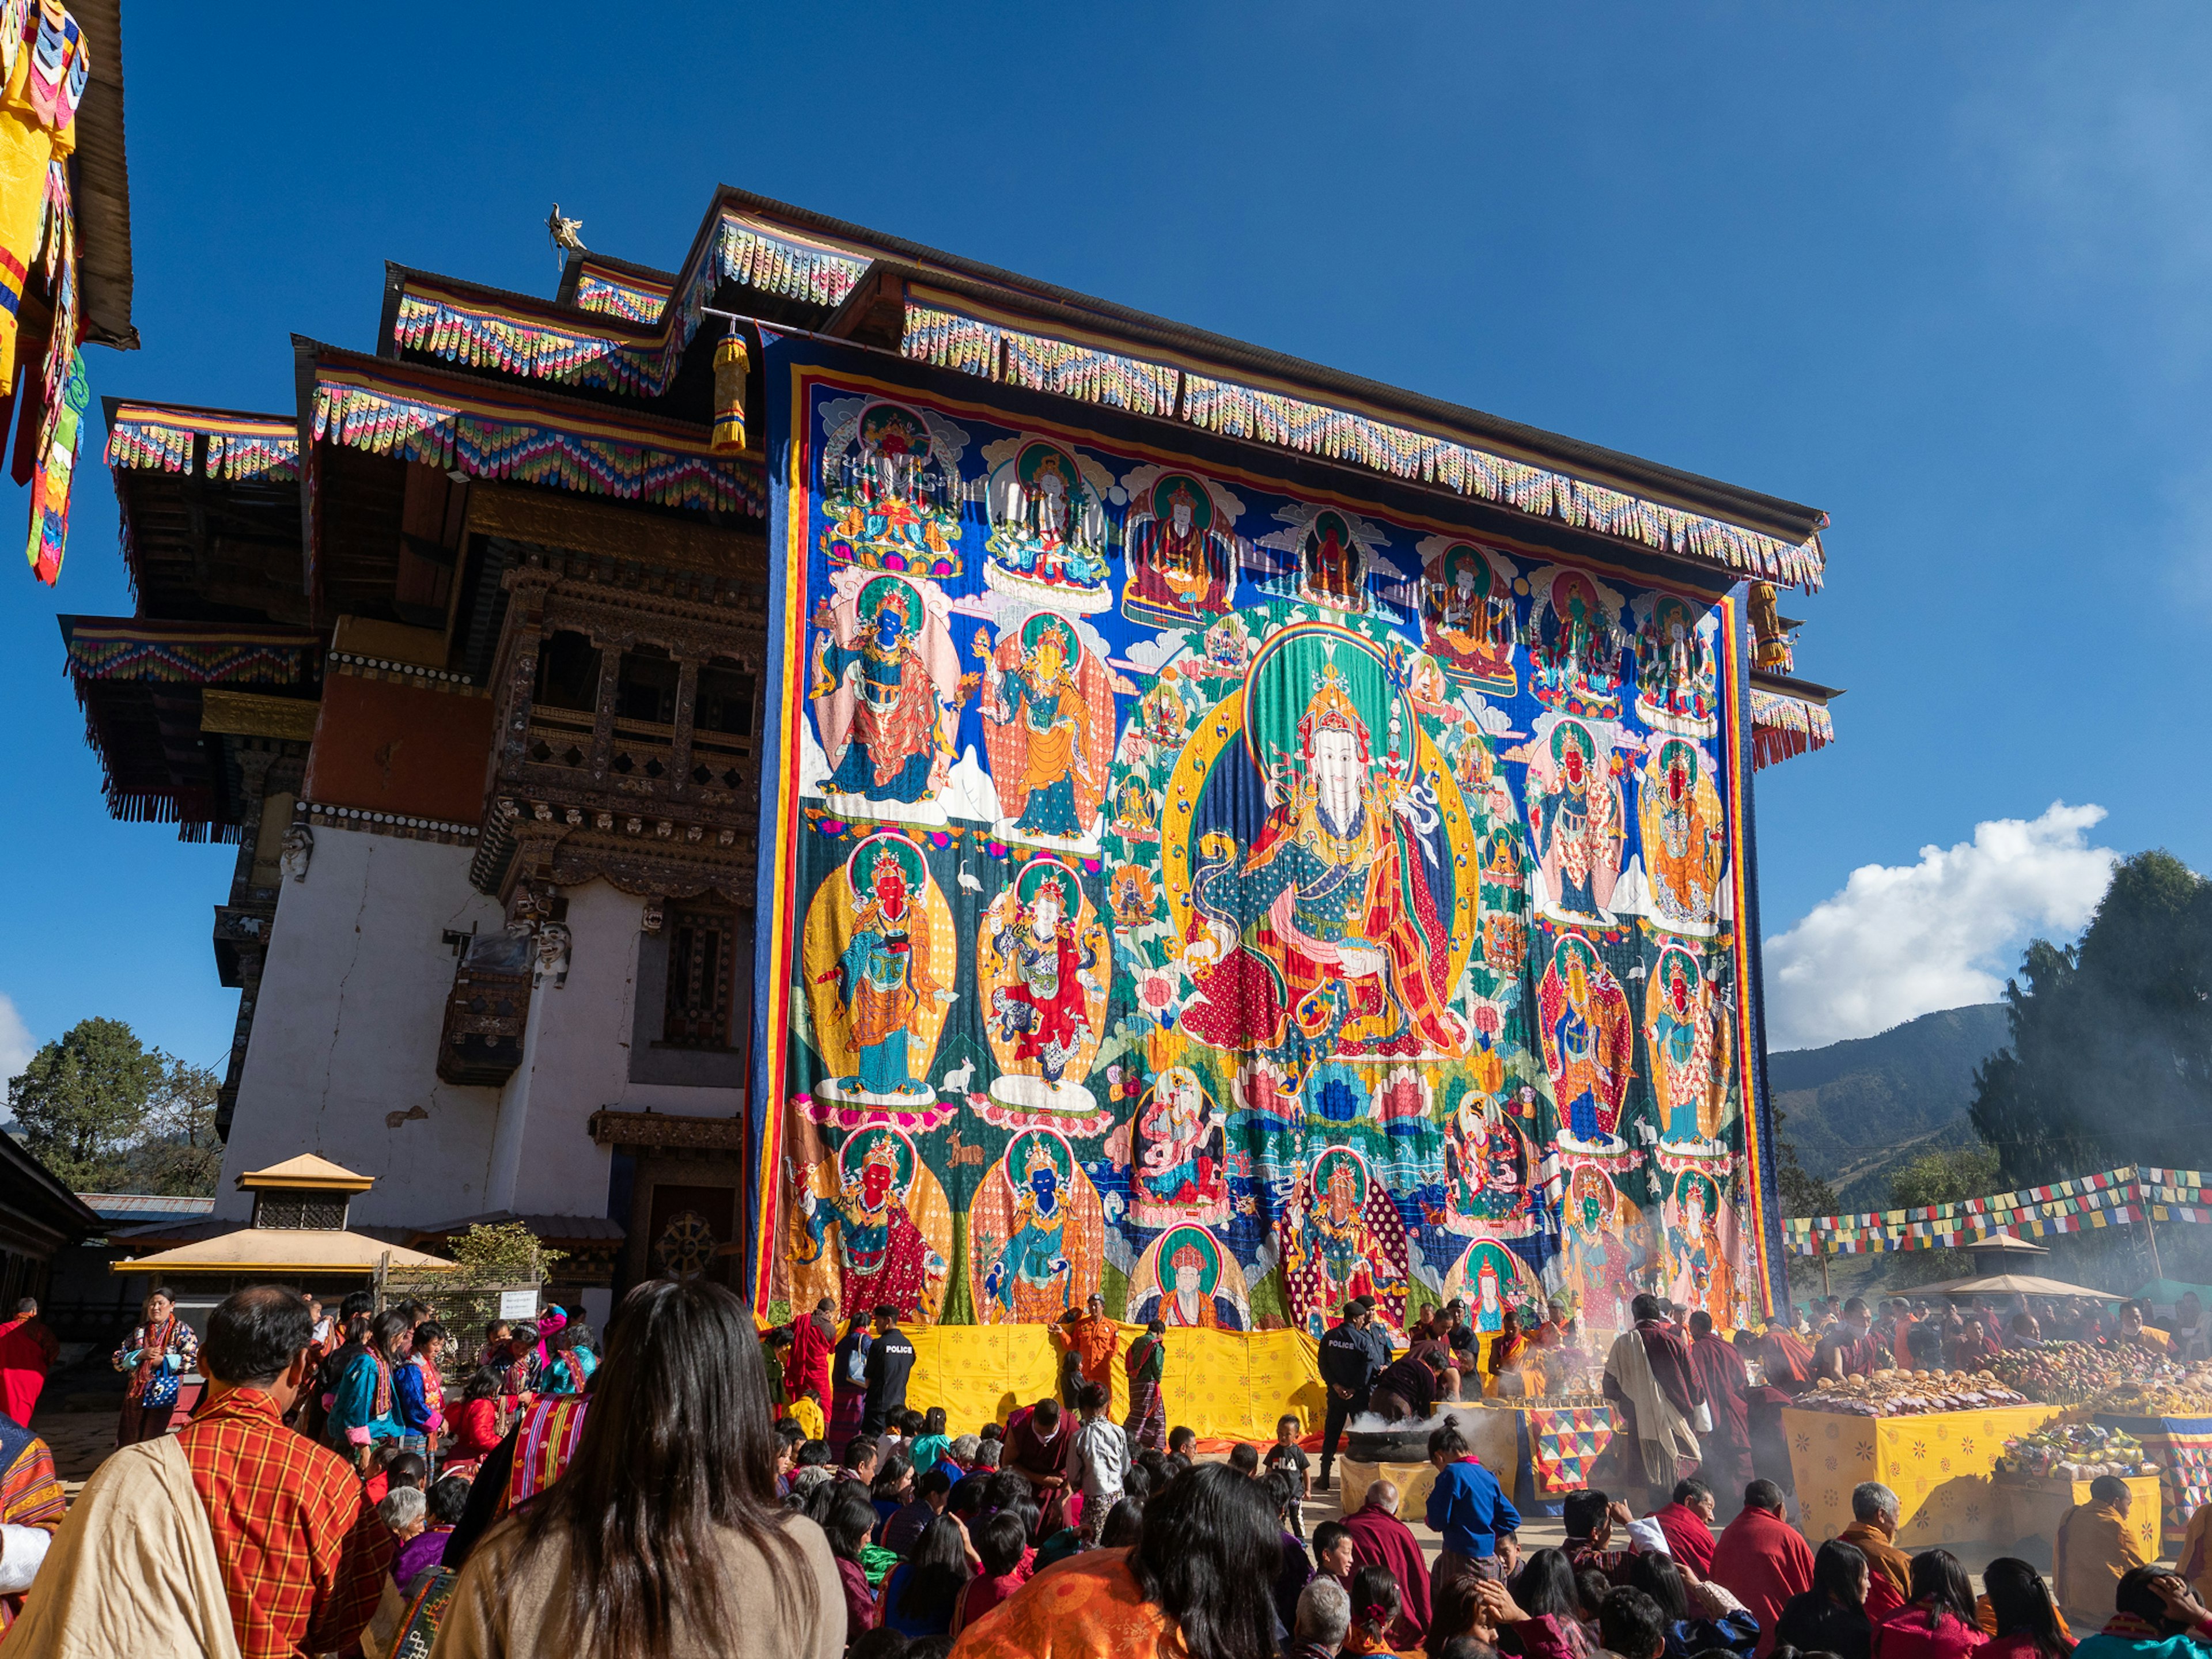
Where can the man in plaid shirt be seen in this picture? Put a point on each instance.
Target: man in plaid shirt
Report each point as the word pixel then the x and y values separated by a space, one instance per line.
pixel 299 1551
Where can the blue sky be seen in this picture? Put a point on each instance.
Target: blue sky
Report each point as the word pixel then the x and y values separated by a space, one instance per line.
pixel 1939 270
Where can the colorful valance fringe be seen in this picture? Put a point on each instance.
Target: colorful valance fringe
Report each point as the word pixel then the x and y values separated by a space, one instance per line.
pixel 484 335
pixel 186 653
pixel 779 261
pixel 948 334
pixel 632 301
pixel 2115 1197
pixel 240 448
pixel 1782 726
pixel 486 441
pixel 467 328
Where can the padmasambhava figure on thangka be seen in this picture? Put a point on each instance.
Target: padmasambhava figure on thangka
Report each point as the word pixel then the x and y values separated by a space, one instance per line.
pixel 1039 1226
pixel 879 969
pixel 1334 933
pixel 1047 727
pixel 1042 962
pixel 886 673
pixel 886 1257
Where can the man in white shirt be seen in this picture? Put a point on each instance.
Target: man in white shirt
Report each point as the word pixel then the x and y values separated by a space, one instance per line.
pixel 1099 1460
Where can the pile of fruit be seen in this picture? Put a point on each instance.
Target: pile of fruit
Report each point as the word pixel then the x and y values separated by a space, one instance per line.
pixel 1908 1394
pixel 2187 1396
pixel 2074 1451
pixel 2070 1373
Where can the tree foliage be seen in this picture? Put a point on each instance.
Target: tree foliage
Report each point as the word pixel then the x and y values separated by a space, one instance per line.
pixel 106 1114
pixel 2110 1056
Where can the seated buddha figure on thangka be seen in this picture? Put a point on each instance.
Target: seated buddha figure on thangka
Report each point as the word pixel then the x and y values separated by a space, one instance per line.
pixel 885 691
pixel 1037 1233
pixel 890 487
pixel 1313 850
pixel 1181 548
pixel 871 1226
pixel 1049 530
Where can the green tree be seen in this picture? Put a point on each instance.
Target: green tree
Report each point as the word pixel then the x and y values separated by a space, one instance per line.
pixel 82 1103
pixel 2110 1056
pixel 1943 1176
pixel 179 1153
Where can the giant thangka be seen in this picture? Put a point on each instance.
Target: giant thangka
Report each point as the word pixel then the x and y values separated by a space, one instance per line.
pixel 1229 897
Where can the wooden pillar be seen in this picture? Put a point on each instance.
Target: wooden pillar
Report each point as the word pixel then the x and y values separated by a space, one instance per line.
pixel 687 698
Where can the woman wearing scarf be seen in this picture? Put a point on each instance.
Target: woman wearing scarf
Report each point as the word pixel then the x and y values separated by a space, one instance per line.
pixel 158 1352
pixel 360 1411
pixel 575 1359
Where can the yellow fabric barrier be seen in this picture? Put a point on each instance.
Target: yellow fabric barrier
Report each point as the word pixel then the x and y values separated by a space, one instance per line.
pixel 1228 1385
pixel 1941 1466
pixel 2034 1508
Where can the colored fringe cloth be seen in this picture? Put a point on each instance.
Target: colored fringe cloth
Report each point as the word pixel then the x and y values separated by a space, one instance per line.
pixel 948 339
pixel 1781 727
pixel 2115 1197
pixel 777 262
pixel 417 430
pixel 239 450
pixel 212 655
pixel 633 303
pixel 483 337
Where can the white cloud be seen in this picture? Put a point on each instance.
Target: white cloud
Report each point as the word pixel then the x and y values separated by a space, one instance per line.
pixel 1904 940
pixel 17 1043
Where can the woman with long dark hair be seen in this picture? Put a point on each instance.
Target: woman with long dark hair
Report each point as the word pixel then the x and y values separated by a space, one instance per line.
pixel 1546 1585
pixel 1203 1568
pixel 848 1519
pixel 1832 1616
pixel 921 1591
pixel 1938 1622
pixel 663 1539
pixel 2027 1622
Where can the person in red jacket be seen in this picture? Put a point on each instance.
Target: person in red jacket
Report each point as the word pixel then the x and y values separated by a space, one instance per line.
pixel 1938 1622
pixel 1762 1560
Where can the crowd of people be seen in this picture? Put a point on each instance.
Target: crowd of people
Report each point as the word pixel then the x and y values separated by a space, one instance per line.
pixel 708 1488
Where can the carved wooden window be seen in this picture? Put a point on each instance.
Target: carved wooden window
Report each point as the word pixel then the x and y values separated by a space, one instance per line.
pixel 647 686
pixel 726 699
pixel 567 673
pixel 702 965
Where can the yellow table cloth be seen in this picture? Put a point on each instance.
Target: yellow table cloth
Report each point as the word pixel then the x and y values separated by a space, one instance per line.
pixel 1942 1466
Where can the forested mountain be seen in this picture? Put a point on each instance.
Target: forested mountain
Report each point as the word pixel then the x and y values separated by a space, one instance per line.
pixel 1856 1110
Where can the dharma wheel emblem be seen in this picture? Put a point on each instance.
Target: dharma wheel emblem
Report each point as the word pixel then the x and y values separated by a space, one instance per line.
pixel 686 1244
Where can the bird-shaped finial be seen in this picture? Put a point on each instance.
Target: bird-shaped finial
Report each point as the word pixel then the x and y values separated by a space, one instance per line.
pixel 567 235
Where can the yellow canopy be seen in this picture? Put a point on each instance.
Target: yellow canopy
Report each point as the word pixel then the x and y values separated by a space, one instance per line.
pixel 279 1250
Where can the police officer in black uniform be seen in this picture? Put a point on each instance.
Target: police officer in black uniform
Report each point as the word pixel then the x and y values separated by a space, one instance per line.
pixel 1353 1355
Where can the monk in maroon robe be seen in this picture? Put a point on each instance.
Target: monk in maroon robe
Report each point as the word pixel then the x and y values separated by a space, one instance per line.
pixel 1380 1539
pixel 1038 1441
pixel 1727 1468
pixel 1663 1453
pixel 806 1367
